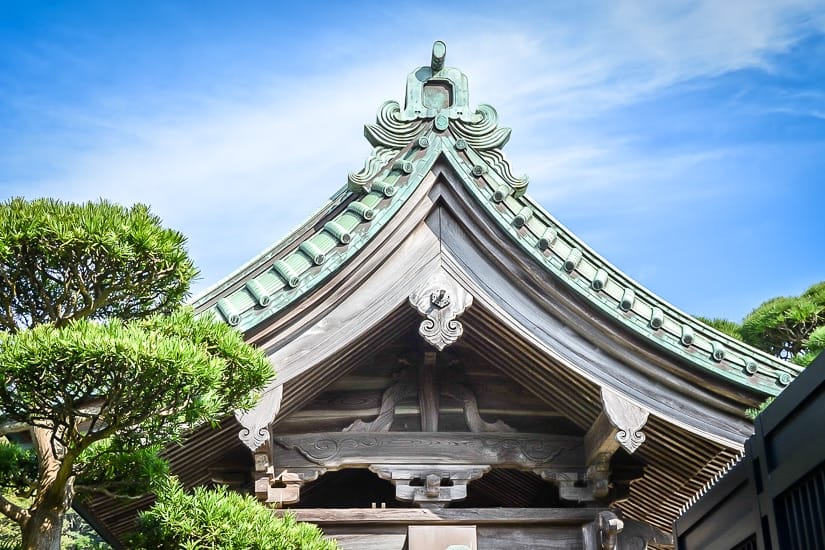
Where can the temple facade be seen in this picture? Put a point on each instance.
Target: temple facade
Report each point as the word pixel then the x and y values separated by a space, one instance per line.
pixel 456 369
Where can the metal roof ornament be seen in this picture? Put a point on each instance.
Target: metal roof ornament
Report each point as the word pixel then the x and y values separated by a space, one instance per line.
pixel 438 99
pixel 438 92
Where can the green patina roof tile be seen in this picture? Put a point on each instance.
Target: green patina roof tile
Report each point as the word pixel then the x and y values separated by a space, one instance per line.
pixel 349 220
pixel 324 241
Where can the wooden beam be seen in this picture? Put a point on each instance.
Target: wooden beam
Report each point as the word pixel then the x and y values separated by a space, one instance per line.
pixel 523 516
pixel 335 450
pixel 307 415
pixel 600 440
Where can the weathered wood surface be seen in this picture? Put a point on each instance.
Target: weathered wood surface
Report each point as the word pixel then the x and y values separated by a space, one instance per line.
pixel 509 282
pixel 309 415
pixel 600 440
pixel 472 414
pixel 428 393
pixel 362 382
pixel 371 541
pixel 540 334
pixel 524 311
pixel 530 538
pixel 422 484
pixel 496 528
pixel 353 449
pixel 404 387
pixel 358 296
pixel 458 516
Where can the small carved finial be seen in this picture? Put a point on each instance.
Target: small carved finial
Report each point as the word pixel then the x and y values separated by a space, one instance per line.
pixel 433 485
pixel 609 528
pixel 439 53
pixel 440 298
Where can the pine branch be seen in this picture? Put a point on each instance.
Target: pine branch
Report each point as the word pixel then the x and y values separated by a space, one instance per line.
pixel 13 511
pixel 96 489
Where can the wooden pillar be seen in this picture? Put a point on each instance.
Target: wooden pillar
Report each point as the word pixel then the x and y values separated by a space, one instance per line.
pixel 428 393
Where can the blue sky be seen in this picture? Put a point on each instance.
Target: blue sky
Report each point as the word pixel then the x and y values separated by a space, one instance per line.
pixel 684 141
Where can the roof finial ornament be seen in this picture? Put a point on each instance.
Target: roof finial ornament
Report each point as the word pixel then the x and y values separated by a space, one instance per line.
pixel 439 53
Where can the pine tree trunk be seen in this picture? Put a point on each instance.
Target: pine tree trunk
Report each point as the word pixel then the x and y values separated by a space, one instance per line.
pixel 43 529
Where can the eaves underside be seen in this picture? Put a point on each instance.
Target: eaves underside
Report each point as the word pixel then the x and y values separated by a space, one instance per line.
pixel 678 460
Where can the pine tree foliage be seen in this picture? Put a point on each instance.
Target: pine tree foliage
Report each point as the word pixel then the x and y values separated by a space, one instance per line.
pixel 789 327
pixel 212 519
pixel 724 326
pixel 62 261
pixel 98 361
pixel 783 326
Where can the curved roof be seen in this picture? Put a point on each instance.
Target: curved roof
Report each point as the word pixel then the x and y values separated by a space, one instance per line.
pixel 407 144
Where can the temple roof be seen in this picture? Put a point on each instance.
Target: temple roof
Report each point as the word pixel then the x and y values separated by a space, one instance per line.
pixel 435 123
pixel 438 203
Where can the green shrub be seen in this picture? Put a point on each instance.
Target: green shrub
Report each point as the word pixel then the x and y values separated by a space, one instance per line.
pixel 221 519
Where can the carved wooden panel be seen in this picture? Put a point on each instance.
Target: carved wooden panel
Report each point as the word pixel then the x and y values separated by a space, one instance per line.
pixel 350 449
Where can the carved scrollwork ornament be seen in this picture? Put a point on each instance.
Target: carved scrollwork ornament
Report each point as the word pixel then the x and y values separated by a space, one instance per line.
pixel 628 419
pixel 441 300
pixel 254 437
pixel 255 422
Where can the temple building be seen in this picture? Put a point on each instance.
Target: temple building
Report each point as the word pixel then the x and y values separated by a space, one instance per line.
pixel 456 369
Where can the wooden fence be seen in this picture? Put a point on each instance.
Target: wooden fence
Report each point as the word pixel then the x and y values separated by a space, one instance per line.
pixel 774 498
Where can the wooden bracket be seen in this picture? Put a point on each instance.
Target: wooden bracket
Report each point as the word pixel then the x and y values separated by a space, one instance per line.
pixel 404 387
pixel 284 487
pixel 255 422
pixel 627 418
pixel 619 425
pixel 430 485
pixel 429 390
pixel 472 416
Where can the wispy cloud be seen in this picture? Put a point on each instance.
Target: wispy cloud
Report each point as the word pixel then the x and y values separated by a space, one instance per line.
pixel 239 163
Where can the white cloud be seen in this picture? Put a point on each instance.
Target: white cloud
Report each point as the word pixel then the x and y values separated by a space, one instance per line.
pixel 243 168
